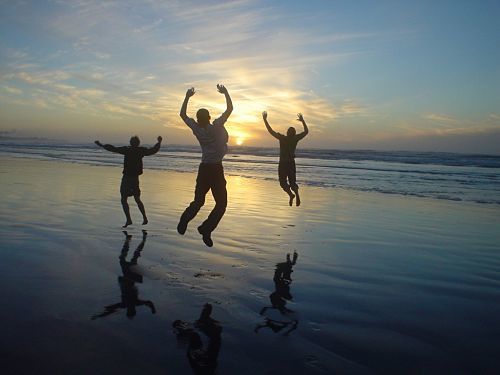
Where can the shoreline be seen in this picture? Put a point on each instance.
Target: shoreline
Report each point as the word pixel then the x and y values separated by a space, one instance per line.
pixel 339 189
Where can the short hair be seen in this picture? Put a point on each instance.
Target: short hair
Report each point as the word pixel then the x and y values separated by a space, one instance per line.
pixel 135 141
pixel 291 131
pixel 203 115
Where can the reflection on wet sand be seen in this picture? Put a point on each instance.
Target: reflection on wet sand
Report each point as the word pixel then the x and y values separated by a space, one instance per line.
pixel 129 292
pixel 287 321
pixel 202 357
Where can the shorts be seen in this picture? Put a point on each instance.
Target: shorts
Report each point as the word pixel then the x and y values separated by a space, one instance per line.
pixel 287 175
pixel 130 186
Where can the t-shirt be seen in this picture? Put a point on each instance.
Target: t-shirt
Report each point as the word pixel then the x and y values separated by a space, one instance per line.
pixel 288 145
pixel 132 162
pixel 213 139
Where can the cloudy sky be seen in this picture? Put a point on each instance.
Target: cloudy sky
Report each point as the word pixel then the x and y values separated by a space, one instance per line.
pixel 411 75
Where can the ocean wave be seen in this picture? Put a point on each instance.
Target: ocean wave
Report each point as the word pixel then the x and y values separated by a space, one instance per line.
pixel 441 176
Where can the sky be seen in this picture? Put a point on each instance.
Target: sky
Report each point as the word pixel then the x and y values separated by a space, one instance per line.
pixel 383 75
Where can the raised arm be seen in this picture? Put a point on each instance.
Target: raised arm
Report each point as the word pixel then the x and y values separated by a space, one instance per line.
pixel 189 93
pixel 119 150
pixel 229 103
pixel 153 150
pixel 306 129
pixel 268 127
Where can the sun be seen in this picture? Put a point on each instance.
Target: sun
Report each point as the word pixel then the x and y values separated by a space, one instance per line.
pixel 239 137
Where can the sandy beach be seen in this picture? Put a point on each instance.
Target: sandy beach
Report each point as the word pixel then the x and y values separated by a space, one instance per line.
pixel 382 283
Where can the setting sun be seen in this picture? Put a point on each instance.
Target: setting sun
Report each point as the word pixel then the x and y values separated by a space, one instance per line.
pixel 239 137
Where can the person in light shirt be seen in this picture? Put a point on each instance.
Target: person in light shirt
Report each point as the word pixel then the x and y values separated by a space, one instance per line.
pixel 213 140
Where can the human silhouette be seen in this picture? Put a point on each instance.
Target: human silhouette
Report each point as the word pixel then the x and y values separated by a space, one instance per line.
pixel 213 141
pixel 286 167
pixel 129 293
pixel 279 297
pixel 202 358
pixel 132 168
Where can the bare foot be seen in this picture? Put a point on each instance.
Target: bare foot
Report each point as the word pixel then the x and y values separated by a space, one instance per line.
pixel 145 221
pixel 290 202
pixel 129 222
pixel 297 202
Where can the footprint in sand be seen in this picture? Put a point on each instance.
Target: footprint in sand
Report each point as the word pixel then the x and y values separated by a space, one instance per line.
pixel 209 275
pixel 313 361
pixel 239 265
pixel 315 326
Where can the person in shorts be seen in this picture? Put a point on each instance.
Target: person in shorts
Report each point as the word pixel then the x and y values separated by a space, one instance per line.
pixel 286 167
pixel 132 169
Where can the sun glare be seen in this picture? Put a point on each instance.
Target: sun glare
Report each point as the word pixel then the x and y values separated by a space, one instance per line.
pixel 239 137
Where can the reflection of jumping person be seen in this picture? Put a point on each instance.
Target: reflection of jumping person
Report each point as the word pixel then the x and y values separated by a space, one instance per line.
pixel 286 168
pixel 202 358
pixel 132 168
pixel 129 292
pixel 282 280
pixel 213 141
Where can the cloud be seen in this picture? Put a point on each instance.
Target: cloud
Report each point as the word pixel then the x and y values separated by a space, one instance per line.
pixel 440 118
pixel 351 107
pixel 149 27
pixel 12 90
pixel 128 59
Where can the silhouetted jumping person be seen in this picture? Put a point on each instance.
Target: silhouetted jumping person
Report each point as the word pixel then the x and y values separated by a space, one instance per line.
pixel 286 168
pixel 213 141
pixel 132 168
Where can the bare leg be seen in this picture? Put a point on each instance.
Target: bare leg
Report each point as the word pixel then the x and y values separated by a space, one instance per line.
pixel 296 191
pixel 126 210
pixel 290 194
pixel 141 208
pixel 292 179
pixel 283 169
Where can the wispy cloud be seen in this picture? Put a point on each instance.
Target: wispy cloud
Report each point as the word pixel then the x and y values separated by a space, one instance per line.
pixel 440 118
pixel 12 90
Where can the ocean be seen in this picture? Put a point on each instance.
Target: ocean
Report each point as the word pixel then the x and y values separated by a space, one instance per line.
pixel 437 175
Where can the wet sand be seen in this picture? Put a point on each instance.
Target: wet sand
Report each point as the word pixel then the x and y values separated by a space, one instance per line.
pixel 382 283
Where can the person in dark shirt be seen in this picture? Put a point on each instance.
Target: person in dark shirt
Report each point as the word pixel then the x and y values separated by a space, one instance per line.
pixel 286 168
pixel 132 168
